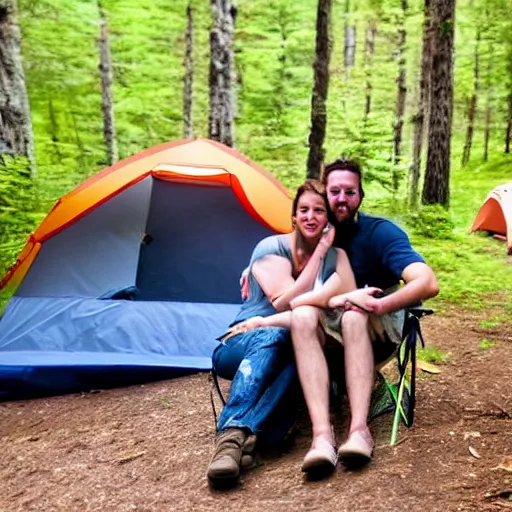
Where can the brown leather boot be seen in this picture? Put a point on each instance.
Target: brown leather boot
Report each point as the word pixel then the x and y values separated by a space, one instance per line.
pixel 248 460
pixel 225 463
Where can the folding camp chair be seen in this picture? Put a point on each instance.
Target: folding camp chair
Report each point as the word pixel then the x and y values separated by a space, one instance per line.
pixel 214 383
pixel 404 392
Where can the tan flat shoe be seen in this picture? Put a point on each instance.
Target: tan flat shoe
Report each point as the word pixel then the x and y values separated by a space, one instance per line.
pixel 321 456
pixel 357 449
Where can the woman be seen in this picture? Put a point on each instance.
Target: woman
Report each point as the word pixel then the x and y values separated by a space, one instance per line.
pixel 260 362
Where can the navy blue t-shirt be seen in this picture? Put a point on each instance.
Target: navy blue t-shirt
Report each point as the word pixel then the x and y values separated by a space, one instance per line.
pixel 378 250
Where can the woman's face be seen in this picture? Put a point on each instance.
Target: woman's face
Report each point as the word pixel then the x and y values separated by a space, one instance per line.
pixel 311 215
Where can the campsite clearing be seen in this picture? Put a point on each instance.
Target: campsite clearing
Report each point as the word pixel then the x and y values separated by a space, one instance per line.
pixel 146 448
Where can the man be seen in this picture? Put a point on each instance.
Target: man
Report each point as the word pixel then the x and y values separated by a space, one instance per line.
pixel 381 257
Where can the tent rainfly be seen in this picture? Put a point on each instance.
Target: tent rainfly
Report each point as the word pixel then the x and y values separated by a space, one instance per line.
pixel 495 215
pixel 134 273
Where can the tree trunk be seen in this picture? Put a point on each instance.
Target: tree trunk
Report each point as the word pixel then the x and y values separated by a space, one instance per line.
pixel 320 90
pixel 79 143
pixel 472 103
pixel 16 135
pixel 350 39
pixel 488 108
pixel 54 131
pixel 107 103
pixel 221 125
pixel 400 96
pixel 421 117
pixel 369 48
pixel 189 76
pixel 508 132
pixel 436 188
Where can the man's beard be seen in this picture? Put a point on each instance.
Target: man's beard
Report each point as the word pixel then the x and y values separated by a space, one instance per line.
pixel 349 217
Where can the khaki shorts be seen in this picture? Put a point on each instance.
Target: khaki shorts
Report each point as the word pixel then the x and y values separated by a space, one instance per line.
pixel 385 330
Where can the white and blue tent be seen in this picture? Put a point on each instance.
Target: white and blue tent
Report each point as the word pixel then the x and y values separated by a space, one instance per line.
pixel 133 274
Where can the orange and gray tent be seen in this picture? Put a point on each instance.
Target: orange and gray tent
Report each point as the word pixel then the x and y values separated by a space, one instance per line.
pixel 495 215
pixel 134 273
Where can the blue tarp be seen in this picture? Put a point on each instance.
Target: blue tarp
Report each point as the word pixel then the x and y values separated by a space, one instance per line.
pixel 70 344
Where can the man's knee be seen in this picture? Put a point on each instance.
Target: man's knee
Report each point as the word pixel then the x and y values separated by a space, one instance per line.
pixel 354 326
pixel 305 319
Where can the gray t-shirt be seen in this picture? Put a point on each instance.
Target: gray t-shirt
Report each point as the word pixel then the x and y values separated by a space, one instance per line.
pixel 258 304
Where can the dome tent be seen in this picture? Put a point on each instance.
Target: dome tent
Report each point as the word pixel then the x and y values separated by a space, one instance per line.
pixel 170 228
pixel 495 215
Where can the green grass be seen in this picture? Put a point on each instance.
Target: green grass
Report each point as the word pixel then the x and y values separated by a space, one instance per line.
pixel 164 402
pixel 433 355
pixel 494 322
pixel 486 344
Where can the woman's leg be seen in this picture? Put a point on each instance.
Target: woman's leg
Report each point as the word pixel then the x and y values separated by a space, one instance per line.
pixel 256 392
pixel 260 384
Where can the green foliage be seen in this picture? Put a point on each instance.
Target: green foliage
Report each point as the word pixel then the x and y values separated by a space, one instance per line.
pixel 433 355
pixel 18 207
pixel 494 322
pixel 431 221
pixel 486 344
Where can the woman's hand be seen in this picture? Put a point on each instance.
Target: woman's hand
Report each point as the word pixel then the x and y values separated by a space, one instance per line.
pixel 327 237
pixel 248 325
pixel 363 298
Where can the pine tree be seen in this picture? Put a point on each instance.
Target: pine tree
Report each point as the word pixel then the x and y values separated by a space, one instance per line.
pixel 221 81
pixel 16 136
pixel 436 187
pixel 189 75
pixel 107 101
pixel 473 101
pixel 400 94
pixel 320 90
pixel 420 119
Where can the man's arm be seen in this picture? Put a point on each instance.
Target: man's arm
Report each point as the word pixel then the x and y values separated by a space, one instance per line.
pixel 420 284
pixel 397 255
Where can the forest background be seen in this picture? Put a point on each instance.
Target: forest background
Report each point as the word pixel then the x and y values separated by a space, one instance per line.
pixel 274 52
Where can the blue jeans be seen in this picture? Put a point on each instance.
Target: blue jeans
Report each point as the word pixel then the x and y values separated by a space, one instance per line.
pixel 262 396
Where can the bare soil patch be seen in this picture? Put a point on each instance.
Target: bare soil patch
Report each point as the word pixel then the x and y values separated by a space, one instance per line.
pixel 146 448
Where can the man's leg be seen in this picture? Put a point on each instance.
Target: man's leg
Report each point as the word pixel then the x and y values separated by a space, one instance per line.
pixel 312 368
pixel 359 375
pixel 314 378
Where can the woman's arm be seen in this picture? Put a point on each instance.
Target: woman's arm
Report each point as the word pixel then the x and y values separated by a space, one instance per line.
pixel 340 282
pixel 283 319
pixel 274 274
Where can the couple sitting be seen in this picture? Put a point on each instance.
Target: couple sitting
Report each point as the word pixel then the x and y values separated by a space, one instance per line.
pixel 315 284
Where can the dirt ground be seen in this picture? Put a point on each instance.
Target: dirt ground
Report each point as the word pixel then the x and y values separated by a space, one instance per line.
pixel 146 448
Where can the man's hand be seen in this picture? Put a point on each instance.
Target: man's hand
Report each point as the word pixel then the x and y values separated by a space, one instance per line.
pixel 363 298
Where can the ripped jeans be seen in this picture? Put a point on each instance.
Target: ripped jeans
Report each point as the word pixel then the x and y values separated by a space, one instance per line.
pixel 262 396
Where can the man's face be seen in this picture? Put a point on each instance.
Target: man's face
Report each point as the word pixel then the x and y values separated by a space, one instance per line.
pixel 343 194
